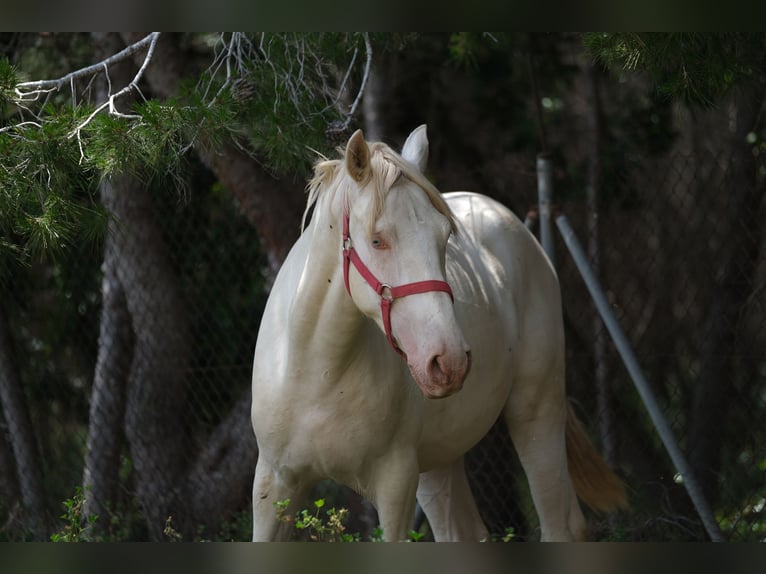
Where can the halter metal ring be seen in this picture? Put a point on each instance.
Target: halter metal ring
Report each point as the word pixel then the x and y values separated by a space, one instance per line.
pixel 382 289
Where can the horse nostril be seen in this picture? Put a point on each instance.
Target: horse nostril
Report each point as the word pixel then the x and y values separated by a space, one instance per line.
pixel 469 362
pixel 444 373
pixel 436 371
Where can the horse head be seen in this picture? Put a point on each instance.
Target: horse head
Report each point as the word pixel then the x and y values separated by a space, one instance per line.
pixel 396 228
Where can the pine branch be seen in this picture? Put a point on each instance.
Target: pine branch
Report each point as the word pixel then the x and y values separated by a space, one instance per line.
pixel 698 68
pixel 298 74
pixel 29 92
pixel 32 91
pixel 273 95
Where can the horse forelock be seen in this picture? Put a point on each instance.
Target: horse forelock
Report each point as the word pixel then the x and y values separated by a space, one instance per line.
pixel 408 170
pixel 386 168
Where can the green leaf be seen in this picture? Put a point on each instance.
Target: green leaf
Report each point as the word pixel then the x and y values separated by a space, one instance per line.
pixel 414 535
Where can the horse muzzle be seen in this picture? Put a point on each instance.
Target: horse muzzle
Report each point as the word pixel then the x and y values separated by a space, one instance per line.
pixel 443 374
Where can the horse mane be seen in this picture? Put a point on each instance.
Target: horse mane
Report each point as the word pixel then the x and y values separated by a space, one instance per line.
pixel 386 168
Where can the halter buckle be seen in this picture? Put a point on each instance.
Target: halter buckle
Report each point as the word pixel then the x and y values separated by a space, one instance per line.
pixel 382 292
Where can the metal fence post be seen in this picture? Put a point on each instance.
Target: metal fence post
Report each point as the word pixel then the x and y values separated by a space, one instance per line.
pixel 640 382
pixel 545 200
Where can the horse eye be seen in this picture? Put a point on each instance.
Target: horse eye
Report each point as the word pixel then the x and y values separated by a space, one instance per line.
pixel 377 243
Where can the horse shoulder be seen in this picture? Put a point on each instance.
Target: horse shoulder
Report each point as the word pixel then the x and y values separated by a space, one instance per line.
pixel 502 238
pixel 521 285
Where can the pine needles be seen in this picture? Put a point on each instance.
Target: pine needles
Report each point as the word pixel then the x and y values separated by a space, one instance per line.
pixel 273 95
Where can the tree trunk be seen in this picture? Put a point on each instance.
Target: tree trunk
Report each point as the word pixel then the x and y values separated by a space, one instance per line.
pixel 138 269
pixel 603 393
pixel 734 283
pixel 374 128
pixel 22 439
pixel 221 477
pixel 9 482
pixel 222 474
pixel 273 206
pixel 107 402
pixel 155 395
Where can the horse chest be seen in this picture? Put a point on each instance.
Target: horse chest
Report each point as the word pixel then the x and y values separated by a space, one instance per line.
pixel 332 429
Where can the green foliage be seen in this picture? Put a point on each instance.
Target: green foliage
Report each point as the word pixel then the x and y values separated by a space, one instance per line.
pixel 283 102
pixel 8 81
pixel 80 528
pixel 509 534
pixel 76 526
pixel 329 525
pixel 278 102
pixel 467 48
pixel 695 67
pixel 239 527
pixel 377 534
pixel 45 196
pixel 171 533
pixel 317 525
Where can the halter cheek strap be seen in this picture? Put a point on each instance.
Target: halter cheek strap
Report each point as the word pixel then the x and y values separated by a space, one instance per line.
pixel 386 292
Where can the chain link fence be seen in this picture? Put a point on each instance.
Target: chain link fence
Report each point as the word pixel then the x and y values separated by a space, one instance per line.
pixel 681 257
pixel 680 254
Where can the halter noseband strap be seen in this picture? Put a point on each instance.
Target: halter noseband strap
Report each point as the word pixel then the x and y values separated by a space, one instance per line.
pixel 386 292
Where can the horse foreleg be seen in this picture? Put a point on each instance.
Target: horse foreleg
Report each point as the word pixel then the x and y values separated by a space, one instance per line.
pixel 395 482
pixel 536 425
pixel 446 498
pixel 269 489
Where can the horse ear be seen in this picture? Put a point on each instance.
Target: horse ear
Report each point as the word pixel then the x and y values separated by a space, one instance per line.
pixel 357 157
pixel 415 149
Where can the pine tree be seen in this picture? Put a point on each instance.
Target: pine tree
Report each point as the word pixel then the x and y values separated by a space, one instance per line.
pixel 275 96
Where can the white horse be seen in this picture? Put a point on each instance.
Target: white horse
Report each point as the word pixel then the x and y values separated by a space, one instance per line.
pixel 378 267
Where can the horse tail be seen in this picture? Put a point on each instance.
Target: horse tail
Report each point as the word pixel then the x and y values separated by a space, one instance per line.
pixel 594 482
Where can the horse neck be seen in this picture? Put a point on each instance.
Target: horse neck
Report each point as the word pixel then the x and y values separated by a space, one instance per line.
pixel 324 322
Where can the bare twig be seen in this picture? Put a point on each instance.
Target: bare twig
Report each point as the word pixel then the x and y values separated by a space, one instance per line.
pixel 367 67
pixel 31 91
pixel 132 86
pixel 233 55
pixel 365 77
pixel 20 125
pixel 298 72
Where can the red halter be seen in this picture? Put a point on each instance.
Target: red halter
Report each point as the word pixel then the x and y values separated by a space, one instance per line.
pixel 386 292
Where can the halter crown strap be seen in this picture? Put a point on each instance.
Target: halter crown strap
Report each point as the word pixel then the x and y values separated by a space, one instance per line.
pixel 386 292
